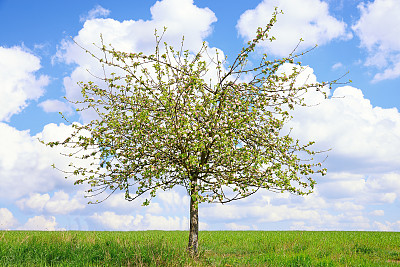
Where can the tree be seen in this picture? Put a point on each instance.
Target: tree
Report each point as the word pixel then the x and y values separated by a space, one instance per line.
pixel 161 124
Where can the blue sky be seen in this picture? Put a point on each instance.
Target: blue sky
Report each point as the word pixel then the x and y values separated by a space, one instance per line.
pixel 360 122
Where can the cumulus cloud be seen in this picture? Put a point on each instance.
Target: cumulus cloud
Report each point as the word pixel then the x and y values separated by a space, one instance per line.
pixel 172 200
pixel 259 213
pixel 117 202
pixel 294 212
pixel 112 221
pixel 7 220
pixel 18 82
pixel 53 105
pixel 41 223
pixel 387 226
pixel 59 203
pixel 377 213
pixel 392 72
pixel 96 12
pixel 363 163
pixel 237 227
pixel 36 202
pixel 380 39
pixel 167 223
pixel 337 66
pixel 361 191
pixel 173 203
pixel 309 20
pixel 181 17
pixel 347 206
pixel 342 222
pixel 25 163
pixel 349 124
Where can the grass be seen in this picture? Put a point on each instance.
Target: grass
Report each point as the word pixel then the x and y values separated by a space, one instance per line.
pixel 219 248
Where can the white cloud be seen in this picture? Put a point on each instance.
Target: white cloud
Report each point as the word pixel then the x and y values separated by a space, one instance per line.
pixel 337 66
pixel 392 72
pixel 7 220
pixel 169 223
pixel 385 198
pixel 259 213
pixel 35 202
pixel 166 223
pixel 155 208
pixel 347 206
pixel 300 225
pixel 237 227
pixel 172 200
pixel 296 214
pixel 363 163
pixel 25 163
pixel 342 189
pixel 41 223
pixel 377 213
pixel 181 17
pixel 18 82
pixel 352 127
pixel 166 202
pixel 307 19
pixel 59 203
pixel 163 213
pixel 378 33
pixel 387 226
pixel 117 202
pixel 382 34
pixel 112 221
pixel 96 12
pixel 388 182
pixel 355 194
pixel 53 105
pixel 315 201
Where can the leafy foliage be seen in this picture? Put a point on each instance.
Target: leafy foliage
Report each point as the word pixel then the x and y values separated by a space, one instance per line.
pixel 161 123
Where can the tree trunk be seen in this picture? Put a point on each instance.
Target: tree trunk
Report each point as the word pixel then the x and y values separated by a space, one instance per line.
pixel 194 220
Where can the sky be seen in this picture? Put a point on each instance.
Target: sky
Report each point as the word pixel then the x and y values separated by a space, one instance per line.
pixel 359 122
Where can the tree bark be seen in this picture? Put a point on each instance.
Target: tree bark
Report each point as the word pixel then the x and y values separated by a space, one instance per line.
pixel 194 220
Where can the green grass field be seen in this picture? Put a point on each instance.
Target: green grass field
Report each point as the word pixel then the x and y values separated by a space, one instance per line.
pixel 219 248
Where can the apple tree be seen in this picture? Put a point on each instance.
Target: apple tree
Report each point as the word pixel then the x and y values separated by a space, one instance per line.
pixel 161 123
